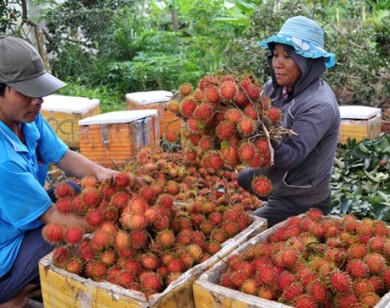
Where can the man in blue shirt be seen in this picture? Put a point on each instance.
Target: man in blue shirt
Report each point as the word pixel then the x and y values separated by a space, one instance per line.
pixel 27 146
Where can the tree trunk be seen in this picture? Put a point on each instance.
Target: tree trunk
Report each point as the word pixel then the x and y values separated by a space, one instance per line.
pixel 175 21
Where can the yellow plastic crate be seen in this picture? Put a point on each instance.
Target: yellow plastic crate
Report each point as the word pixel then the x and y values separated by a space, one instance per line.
pixel 64 112
pixel 155 100
pixel 112 139
pixel 359 122
pixel 62 289
pixel 208 292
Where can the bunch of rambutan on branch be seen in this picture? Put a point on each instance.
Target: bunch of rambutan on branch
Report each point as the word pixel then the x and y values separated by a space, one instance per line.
pixel 230 117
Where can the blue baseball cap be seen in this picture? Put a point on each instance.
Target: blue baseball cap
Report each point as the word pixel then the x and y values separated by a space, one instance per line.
pixel 306 36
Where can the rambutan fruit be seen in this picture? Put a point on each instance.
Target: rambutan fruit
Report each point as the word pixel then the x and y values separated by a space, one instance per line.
pixel 261 185
pixel 340 282
pixel 229 90
pixel 216 161
pixel 73 234
pixel 250 112
pixel 166 237
pixel 225 130
pixel 305 301
pixel 386 277
pixel 345 300
pixel 266 274
pixel 121 179
pixel 357 251
pixel 91 197
pixel 292 291
pixel 94 217
pixel 165 200
pixel 231 228
pixel 121 239
pixel 376 262
pixel 361 286
pixel 136 204
pixel 266 292
pixel 60 256
pixel 207 227
pixel 319 291
pixel 233 115
pixel 176 266
pixel 109 256
pixel 274 114
pixel 238 278
pixel 161 223
pixel 150 261
pixel 289 256
pixel 249 286
pixel 207 81
pixel 173 106
pixel 370 299
pixel 124 278
pixel 53 233
pixel 212 247
pixel 380 228
pixel 171 136
pixel 185 89
pixel 246 127
pixel 203 112
pixel 247 151
pixel 314 214
pixel 130 265
pixel 138 239
pixel 64 190
pixel 216 217
pixel 285 279
pixel 253 91
pixel 187 107
pixel 151 280
pixel 376 244
pixel 148 193
pixel 212 94
pixel 85 252
pixel 136 221
pixel 74 265
pixel 357 268
pixel 172 187
pixel 101 239
pixel 96 270
pixel 230 155
pixel 195 251
pixel 64 205
pixel 89 181
pixel 242 98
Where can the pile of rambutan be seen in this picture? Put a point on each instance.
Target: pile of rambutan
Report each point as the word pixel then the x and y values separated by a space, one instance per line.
pixel 139 237
pixel 313 260
pixel 228 121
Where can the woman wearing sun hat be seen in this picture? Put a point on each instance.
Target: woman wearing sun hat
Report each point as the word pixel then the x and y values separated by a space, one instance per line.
pixel 303 162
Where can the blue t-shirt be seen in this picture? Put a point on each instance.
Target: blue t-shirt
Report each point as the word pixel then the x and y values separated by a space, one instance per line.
pixel 23 169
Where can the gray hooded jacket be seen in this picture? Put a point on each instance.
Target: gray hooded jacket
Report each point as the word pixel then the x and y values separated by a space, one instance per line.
pixel 303 164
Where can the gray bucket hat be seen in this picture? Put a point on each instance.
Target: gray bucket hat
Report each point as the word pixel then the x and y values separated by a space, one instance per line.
pixel 21 68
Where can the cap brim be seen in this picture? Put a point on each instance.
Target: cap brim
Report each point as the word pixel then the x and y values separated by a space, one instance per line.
pixel 40 86
pixel 305 49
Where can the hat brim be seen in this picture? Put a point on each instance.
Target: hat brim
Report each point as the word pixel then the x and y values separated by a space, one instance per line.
pixel 40 86
pixel 301 47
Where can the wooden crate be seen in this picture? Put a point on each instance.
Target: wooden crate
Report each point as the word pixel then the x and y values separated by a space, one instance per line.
pixel 62 289
pixel 155 100
pixel 209 293
pixel 359 122
pixel 64 112
pixel 112 139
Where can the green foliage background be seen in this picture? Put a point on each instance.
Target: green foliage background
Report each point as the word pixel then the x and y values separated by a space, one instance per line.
pixel 110 48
